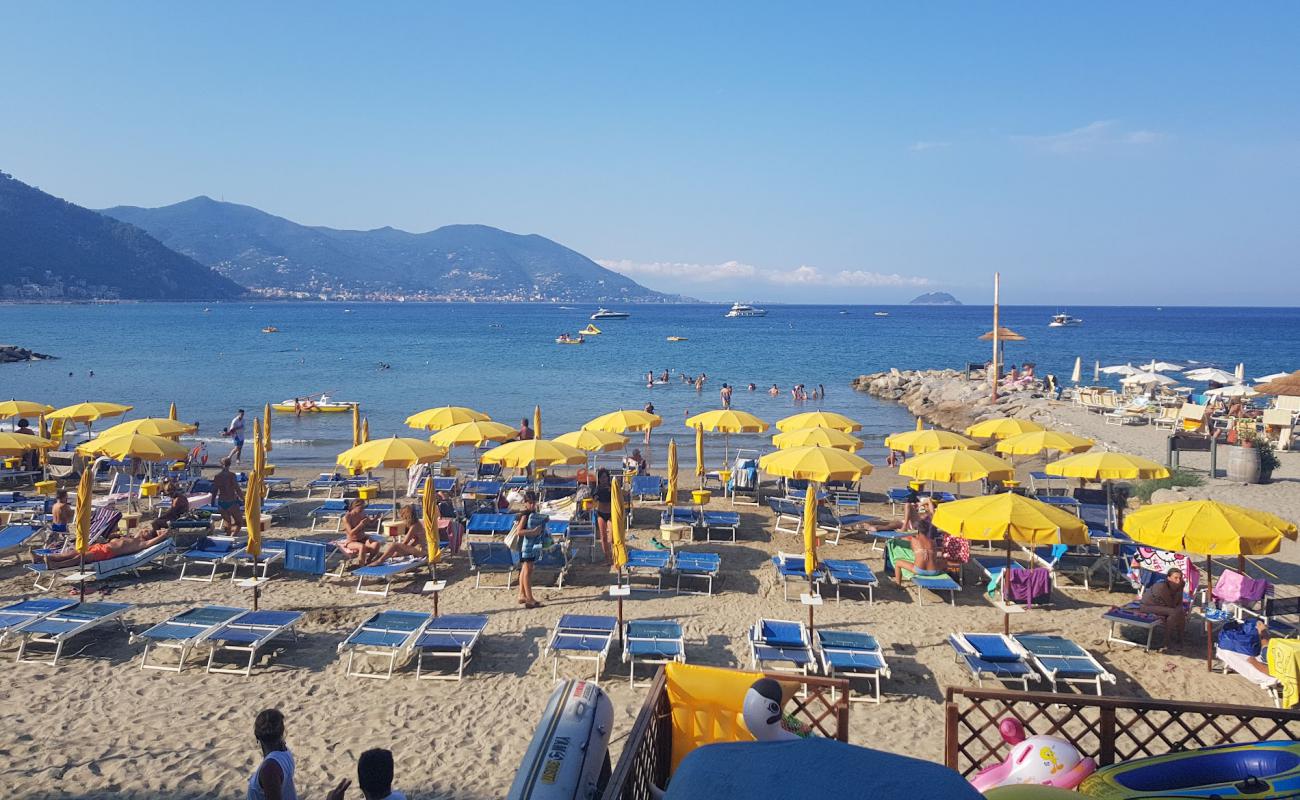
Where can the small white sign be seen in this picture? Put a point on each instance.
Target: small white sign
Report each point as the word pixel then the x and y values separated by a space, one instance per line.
pixel 78 577
pixel 251 583
pixel 434 586
pixel 620 591
pixel 810 599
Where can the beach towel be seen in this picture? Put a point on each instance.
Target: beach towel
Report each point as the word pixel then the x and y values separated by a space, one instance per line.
pixel 897 551
pixel 1029 586
pixel 955 549
pixel 1284 664
pixel 1234 587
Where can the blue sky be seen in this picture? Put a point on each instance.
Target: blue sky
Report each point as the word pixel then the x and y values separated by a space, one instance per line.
pixel 1094 153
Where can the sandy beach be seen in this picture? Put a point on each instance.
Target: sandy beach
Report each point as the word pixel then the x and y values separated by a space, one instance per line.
pixel 98 725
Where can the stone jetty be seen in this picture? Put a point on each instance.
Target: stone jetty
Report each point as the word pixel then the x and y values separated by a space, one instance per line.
pixel 950 399
pixel 10 353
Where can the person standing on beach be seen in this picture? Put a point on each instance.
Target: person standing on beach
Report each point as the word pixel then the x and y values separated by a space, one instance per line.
pixel 530 527
pixel 273 779
pixel 225 491
pixel 725 394
pixel 235 430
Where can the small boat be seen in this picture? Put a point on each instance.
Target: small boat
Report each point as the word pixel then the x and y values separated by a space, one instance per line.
pixel 590 330
pixel 605 313
pixel 1063 320
pixel 676 339
pixel 566 339
pixel 206 310
pixel 842 311
pixel 568 756
pixel 1261 769
pixel 880 313
pixel 312 405
pixel 743 310
pixel 270 329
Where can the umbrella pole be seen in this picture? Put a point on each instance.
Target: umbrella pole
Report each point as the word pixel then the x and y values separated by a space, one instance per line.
pixel 81 584
pixel 812 591
pixel 256 586
pixel 1006 578
pixel 1209 630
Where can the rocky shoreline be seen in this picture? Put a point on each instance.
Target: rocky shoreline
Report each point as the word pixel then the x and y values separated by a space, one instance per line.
pixel 948 399
pixel 11 353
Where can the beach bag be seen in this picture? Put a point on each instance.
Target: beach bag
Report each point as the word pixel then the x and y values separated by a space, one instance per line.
pixel 1240 637
pixel 515 539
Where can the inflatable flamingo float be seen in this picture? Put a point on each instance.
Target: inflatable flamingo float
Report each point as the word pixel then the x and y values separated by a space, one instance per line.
pixel 1043 760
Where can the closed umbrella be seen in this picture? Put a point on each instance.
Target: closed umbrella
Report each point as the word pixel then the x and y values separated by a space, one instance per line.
pixel 435 419
pixel 670 493
pixel 817 437
pixel 928 441
pixel 1240 372
pixel 957 466
pixel 1001 428
pixel 537 422
pixel 699 454
pixel 618 538
pixel 253 504
pixel 1035 442
pixel 810 545
pixel 1209 528
pixel 365 430
pixel 429 514
pixel 356 424
pixel 1077 374
pixel 171 412
pixel 819 419
pixel 266 428
pixel 1096 372
pixel 82 521
pixel 727 421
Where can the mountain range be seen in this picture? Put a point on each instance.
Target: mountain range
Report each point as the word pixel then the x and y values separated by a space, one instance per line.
pixel 51 249
pixel 277 257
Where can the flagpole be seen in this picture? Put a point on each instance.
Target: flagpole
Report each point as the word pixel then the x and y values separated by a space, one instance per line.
pixel 997 364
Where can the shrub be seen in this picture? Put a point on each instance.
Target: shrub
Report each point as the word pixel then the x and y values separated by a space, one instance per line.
pixel 1180 477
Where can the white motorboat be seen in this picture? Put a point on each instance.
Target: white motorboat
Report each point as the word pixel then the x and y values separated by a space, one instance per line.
pixel 605 313
pixel 880 313
pixel 743 310
pixel 1063 320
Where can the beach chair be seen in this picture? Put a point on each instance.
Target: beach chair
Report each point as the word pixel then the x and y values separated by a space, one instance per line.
pixel 327 484
pixel 182 632
pixel 896 551
pixel 329 515
pixel 209 553
pixel 249 633
pixel 702 566
pixel 577 531
pixel 1043 485
pixel 834 524
pixel 488 557
pixel 554 559
pixel 386 572
pixel 791 566
pixel 992 568
pixel 452 637
pixel 652 641
pixel 489 524
pixel 850 574
pixel 482 489
pixel 995 656
pixel 648 564
pixel 17 614
pixel 725 521
pixel 1060 660
pixel 14 538
pixel 852 654
pixel 1130 615
pixel 389 636
pixel 582 637
pixel 783 645
pixel 108 568
pixel 647 487
pixel 273 552
pixel 787 515
pixel 57 628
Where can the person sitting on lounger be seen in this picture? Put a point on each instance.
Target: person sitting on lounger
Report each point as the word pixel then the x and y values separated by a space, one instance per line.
pixel 1165 599
pixel 121 546
pixel 357 544
pixel 925 561
pixel 180 506
pixel 409 544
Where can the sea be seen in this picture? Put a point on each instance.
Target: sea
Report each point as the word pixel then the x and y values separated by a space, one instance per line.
pixel 501 358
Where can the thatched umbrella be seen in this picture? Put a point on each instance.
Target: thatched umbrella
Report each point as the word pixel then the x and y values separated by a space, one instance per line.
pixel 1288 385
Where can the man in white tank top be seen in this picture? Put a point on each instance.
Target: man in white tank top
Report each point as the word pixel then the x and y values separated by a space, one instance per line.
pixel 273 779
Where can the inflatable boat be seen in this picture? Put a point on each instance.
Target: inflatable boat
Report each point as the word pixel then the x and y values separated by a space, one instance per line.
pixel 568 758
pixel 312 405
pixel 1260 770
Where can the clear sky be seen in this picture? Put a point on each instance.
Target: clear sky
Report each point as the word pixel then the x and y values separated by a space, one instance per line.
pixel 1124 153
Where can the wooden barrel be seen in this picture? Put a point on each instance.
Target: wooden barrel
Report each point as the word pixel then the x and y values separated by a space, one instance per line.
pixel 1243 465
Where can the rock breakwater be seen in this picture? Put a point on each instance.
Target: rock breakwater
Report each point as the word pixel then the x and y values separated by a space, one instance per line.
pixel 10 353
pixel 949 399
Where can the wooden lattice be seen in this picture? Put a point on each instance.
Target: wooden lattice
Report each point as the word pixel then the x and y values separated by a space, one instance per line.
pixel 647 754
pixel 1109 729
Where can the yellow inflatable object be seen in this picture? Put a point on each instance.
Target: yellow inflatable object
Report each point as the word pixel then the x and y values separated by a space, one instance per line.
pixel 1030 792
pixel 706 704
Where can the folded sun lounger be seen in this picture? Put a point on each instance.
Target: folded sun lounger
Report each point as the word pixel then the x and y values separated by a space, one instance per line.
pixel 388 635
pixel 1060 660
pixel 993 655
pixel 182 632
pixel 652 641
pixel 791 567
pixel 582 637
pixel 852 654
pixel 453 636
pixel 781 643
pixel 704 566
pixel 57 628
pixel 489 557
pixel 249 633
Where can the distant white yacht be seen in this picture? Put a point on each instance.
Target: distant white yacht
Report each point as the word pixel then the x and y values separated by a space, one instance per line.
pixel 605 313
pixel 1063 320
pixel 742 310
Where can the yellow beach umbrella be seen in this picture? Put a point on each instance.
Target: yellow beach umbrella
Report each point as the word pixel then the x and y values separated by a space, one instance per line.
pixel 628 419
pixel 149 426
pixel 476 433
pixel 88 412
pixel 1035 442
pixel 253 504
pixel 819 464
pixel 957 466
pixel 1001 428
pixel 429 518
pixel 670 493
pixel 928 441
pixel 617 524
pixel 593 441
pixel 356 424
pixel 133 445
pixel 436 419
pixel 13 444
pixel 266 428
pixel 817 437
pixel 171 412
pixel 810 536
pixel 819 419
pixel 699 454
pixel 534 452
pixel 23 408
pixel 365 430
pixel 1209 528
pixel 392 453
pixel 1103 466
pixel 82 520
pixel 727 421
pixel 537 422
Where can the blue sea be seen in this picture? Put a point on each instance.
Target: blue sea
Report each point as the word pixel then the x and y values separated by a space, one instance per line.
pixel 502 359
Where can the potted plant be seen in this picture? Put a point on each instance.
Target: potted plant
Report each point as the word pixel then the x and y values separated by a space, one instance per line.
pixel 1268 460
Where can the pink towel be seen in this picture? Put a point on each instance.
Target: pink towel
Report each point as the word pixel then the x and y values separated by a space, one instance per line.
pixel 1234 587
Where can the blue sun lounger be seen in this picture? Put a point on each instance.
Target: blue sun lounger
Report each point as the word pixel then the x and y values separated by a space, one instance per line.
pixel 487 524
pixel 993 655
pixel 790 567
pixel 648 486
pixel 787 515
pixel 249 633
pixel 389 635
pixel 386 572
pixel 582 637
pixel 554 559
pixel 332 511
pixel 17 614
pixel 992 567
pixel 108 568
pixel 57 628
pixel 13 538
pixel 648 564
pixel 852 654
pixel 726 521
pixel 652 641
pixel 273 551
pixel 704 566
pixel 850 574
pixel 835 524
pixel 209 552
pixel 781 643
pixel 489 557
pixel 576 532
pixel 481 488
pixel 1060 660
pixel 453 636
pixel 182 632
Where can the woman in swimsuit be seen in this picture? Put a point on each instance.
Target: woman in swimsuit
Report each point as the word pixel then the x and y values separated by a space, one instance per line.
pixel 924 560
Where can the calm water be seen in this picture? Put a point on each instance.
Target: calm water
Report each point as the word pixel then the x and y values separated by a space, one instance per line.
pixel 501 358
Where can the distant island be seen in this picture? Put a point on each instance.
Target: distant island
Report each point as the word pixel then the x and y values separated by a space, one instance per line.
pixel 935 299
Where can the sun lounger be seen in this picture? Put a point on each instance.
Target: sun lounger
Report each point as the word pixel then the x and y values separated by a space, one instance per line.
pixel 1060 660
pixel 582 637
pixel 704 566
pixel 487 557
pixel 57 628
pixel 249 633
pixel 485 524
pixel 1131 616
pixel 577 532
pixel 387 635
pixel 791 567
pixel 850 574
pixel 386 572
pixel 649 564
pixel 332 512
pixel 897 497
pixel 182 632
pixel 17 614
pixel 993 655
pixel 481 488
pixel 647 487
pixel 453 636
pixel 993 567
pixel 108 568
pixel 787 515
pixel 780 643
pixel 273 551
pixel 901 551
pixel 554 559
pixel 1044 485
pixel 208 553
pixel 852 654
pixel 13 538
pixel 726 521
pixel 652 641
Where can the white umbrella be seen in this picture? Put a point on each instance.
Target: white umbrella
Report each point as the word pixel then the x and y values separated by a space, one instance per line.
pixel 1272 377
pixel 1235 390
pixel 1162 366
pixel 1148 378
pixel 1240 372
pixel 1121 369
pixel 1096 372
pixel 1078 370
pixel 1207 374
